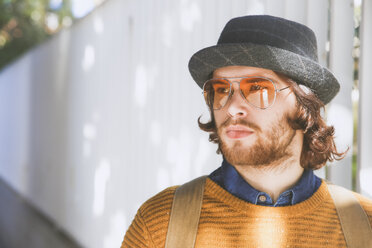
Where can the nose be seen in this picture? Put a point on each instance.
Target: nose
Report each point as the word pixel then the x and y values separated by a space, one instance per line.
pixel 237 105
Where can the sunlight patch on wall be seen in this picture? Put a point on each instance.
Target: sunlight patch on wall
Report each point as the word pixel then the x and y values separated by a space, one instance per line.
pixel 89 131
pixel 88 58
pixel 98 24
pixel 256 8
pixel 144 81
pixel 89 134
pixel 101 177
pixel 190 15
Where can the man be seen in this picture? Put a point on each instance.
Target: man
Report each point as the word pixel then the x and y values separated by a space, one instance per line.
pixel 265 89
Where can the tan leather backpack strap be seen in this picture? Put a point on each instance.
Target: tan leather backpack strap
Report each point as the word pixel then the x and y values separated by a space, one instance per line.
pixel 354 221
pixel 185 213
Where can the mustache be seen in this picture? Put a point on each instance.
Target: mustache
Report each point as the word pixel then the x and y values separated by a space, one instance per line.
pixel 230 121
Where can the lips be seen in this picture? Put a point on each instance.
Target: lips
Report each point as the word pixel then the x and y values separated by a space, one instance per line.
pixel 238 132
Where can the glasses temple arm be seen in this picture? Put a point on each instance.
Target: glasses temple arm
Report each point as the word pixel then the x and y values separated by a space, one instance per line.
pixel 282 89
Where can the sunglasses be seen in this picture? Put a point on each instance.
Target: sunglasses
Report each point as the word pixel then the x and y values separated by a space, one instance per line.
pixel 259 92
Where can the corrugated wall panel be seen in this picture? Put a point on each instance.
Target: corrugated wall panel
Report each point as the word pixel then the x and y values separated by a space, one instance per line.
pixel 339 111
pixel 365 102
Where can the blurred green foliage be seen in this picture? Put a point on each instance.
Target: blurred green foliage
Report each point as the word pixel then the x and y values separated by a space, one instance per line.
pixel 26 23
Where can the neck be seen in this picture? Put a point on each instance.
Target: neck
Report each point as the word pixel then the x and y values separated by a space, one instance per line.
pixel 277 177
pixel 272 180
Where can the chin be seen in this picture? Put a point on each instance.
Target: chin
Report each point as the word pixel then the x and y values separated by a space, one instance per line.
pixel 243 144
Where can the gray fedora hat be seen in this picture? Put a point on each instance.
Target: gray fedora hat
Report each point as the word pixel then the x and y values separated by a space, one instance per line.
pixel 267 42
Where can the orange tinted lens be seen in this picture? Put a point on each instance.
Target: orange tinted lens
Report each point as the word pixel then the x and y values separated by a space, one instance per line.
pixel 216 92
pixel 258 91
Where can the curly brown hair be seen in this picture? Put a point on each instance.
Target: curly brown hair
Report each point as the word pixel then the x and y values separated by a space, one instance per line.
pixel 318 145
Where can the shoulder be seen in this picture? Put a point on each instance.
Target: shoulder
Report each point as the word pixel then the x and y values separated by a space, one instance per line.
pixel 365 201
pixel 162 202
pixel 159 204
pixel 149 226
pixel 366 204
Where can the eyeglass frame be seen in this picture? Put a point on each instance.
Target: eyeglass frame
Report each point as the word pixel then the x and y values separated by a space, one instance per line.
pixel 241 93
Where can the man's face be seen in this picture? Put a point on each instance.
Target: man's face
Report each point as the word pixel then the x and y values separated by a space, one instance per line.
pixel 253 136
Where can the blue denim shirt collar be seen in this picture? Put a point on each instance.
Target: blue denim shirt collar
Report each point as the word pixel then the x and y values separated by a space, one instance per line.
pixel 229 179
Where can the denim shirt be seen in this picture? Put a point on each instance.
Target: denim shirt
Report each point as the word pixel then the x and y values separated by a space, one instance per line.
pixel 228 178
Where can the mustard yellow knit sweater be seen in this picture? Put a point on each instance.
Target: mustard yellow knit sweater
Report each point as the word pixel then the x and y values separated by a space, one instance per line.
pixel 227 221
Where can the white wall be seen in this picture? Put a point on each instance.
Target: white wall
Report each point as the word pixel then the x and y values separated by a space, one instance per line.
pixel 365 102
pixel 339 112
pixel 103 115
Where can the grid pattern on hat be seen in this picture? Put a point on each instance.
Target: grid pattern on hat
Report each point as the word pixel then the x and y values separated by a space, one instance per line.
pixel 272 31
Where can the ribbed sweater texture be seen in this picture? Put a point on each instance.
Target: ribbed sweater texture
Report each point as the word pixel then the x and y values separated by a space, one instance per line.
pixel 227 222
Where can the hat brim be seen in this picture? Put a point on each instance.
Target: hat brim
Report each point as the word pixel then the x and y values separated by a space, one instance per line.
pixel 301 69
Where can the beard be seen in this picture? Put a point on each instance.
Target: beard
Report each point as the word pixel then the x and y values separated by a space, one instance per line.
pixel 270 146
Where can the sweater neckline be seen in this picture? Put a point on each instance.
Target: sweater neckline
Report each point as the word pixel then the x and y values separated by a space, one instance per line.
pixel 249 209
